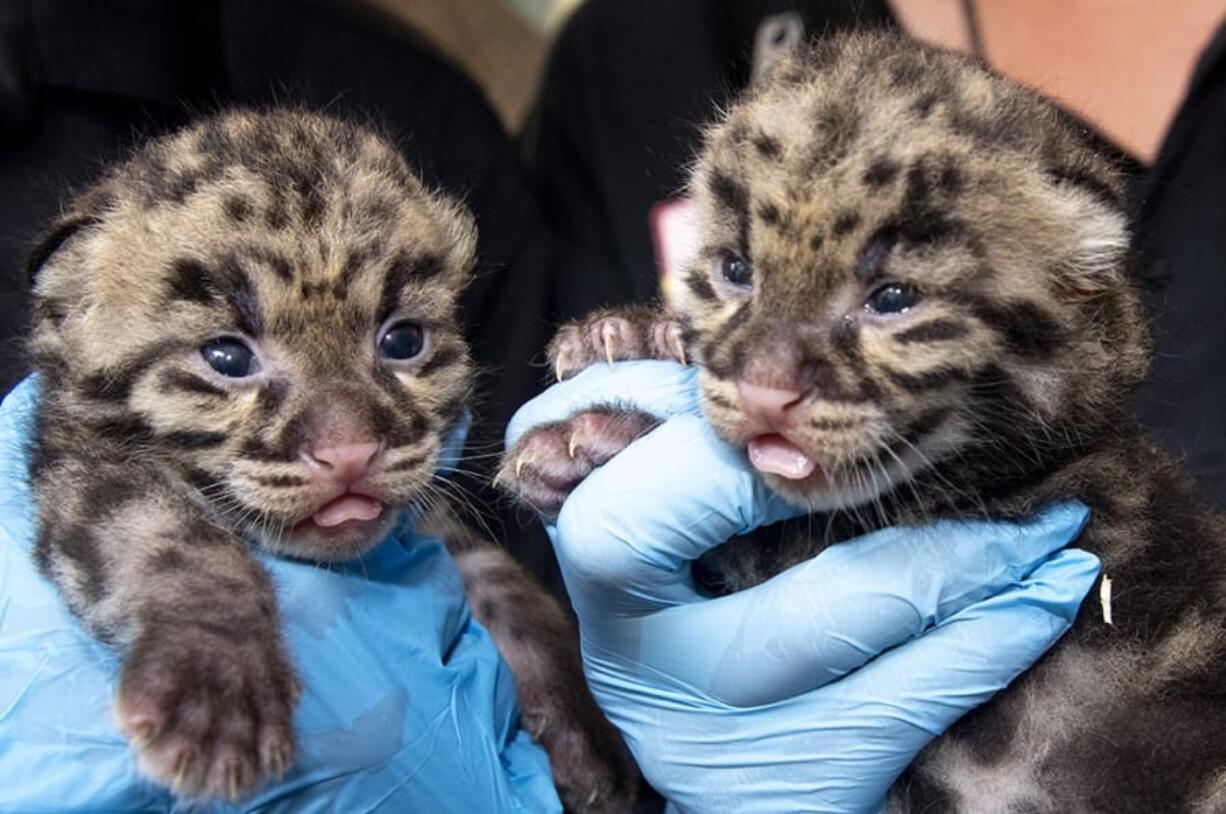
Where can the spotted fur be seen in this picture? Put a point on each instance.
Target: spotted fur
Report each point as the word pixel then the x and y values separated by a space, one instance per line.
pixel 305 238
pixel 1002 386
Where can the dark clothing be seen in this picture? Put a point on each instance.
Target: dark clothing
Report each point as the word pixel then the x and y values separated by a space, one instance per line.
pixel 630 81
pixel 81 82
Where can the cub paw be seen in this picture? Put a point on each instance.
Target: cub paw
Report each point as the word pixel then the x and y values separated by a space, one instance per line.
pixel 616 335
pixel 548 462
pixel 591 765
pixel 208 719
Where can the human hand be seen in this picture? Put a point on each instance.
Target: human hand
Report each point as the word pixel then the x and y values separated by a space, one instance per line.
pixel 814 690
pixel 415 715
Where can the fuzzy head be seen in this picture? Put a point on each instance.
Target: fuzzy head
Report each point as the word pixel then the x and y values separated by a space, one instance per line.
pixel 907 262
pixel 263 306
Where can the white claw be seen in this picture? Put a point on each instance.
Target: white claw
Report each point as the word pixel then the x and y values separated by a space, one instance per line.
pixel 680 348
pixel 558 370
pixel 520 463
pixel 574 442
pixel 608 333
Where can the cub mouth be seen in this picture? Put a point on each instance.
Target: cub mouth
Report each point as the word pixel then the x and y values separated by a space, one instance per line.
pixel 775 455
pixel 344 527
pixel 351 506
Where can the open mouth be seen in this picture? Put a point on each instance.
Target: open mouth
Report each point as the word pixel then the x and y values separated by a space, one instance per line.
pixel 347 509
pixel 776 455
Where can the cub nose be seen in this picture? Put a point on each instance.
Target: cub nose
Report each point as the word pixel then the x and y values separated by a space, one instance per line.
pixel 344 463
pixel 771 405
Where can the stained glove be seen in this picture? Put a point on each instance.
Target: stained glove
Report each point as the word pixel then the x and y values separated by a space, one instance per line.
pixel 407 705
pixel 814 690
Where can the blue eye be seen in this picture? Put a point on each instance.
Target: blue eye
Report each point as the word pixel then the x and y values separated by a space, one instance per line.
pixel 893 298
pixel 230 357
pixel 736 270
pixel 404 340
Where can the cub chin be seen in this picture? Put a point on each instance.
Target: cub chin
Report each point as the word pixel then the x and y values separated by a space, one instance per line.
pixel 911 303
pixel 247 335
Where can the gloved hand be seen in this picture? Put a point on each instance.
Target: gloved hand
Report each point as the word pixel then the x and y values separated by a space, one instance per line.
pixel 813 691
pixel 407 705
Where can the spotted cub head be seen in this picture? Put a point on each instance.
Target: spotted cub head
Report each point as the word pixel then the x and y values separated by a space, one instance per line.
pixel 908 263
pixel 263 306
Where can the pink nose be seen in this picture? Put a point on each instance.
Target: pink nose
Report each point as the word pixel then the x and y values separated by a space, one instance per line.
pixel 769 404
pixel 344 463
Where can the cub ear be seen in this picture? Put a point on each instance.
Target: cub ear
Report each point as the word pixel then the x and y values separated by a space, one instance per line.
pixel 53 239
pixel 462 243
pixel 1094 261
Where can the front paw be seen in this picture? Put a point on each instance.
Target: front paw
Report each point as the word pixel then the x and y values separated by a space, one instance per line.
pixel 209 716
pixel 592 768
pixel 616 335
pixel 549 461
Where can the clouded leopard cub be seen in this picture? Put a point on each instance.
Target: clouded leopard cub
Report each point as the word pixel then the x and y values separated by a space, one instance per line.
pixel 911 302
pixel 247 334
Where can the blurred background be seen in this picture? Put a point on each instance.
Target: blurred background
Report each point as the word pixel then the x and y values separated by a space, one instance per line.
pixel 562 123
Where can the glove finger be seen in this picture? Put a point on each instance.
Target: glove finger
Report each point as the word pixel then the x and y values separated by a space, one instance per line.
pixel 626 536
pixel 918 690
pixel 822 619
pixel 866 729
pixel 658 388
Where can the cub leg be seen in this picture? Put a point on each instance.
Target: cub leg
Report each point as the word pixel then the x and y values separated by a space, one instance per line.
pixel 592 767
pixel 206 692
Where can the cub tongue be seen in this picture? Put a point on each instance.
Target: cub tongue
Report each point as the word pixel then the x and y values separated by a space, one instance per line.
pixel 348 507
pixel 779 456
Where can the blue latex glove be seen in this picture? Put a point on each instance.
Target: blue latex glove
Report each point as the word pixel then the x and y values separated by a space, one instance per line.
pixel 813 691
pixel 407 705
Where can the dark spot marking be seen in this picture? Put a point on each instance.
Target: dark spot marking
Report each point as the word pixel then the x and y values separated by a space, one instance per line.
pixel 238 208
pixel 769 214
pixel 924 105
pixel 191 281
pixel 193 439
pixel 443 357
pixel 131 428
pixel 700 286
pixel 871 263
pixel 1027 328
pixel 271 396
pixel 936 330
pixel 279 481
pixel 240 295
pixel 277 216
pixel 816 241
pixel 730 194
pixel 844 223
pixel 180 380
pixel 402 270
pixel 925 424
pixel 929 380
pixel 78 545
pixel 412 462
pixel 767 146
pixel 881 172
pixel 167 559
pixel 117 385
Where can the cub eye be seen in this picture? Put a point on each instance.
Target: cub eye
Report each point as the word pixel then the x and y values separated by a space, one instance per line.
pixel 404 340
pixel 230 357
pixel 735 270
pixel 893 298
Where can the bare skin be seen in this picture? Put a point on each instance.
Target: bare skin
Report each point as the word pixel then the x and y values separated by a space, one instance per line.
pixel 1122 65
